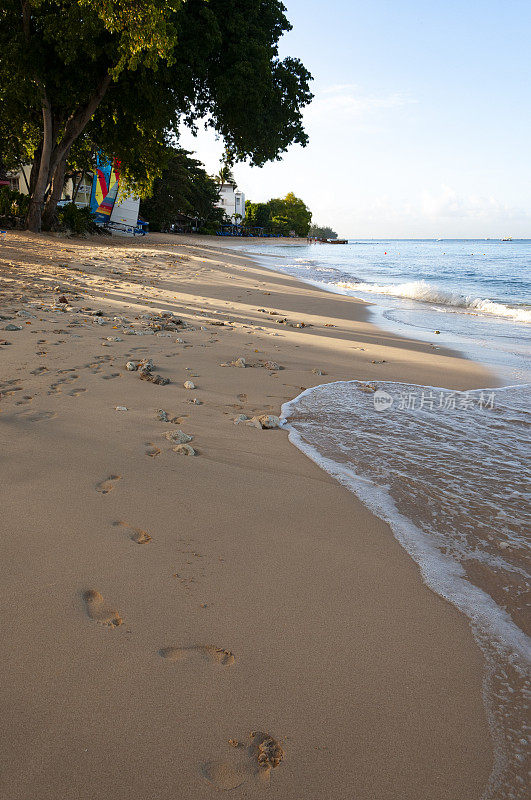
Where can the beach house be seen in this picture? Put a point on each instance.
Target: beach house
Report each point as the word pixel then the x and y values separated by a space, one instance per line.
pixel 232 201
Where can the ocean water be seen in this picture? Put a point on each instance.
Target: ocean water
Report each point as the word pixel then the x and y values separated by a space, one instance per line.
pixel 449 471
pixel 477 293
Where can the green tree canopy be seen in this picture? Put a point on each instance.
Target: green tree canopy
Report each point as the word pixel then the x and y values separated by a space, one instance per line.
pixel 183 188
pixel 324 232
pixel 125 73
pixel 281 215
pixel 225 175
pixel 257 215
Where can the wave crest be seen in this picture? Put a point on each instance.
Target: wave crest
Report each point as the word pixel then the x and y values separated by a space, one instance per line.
pixel 426 293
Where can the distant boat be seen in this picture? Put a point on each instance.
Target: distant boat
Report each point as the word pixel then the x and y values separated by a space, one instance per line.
pixel 507 239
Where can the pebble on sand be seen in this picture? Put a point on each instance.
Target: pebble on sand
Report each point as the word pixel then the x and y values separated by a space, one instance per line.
pixel 12 327
pixel 238 362
pixel 179 437
pixel 147 376
pixel 265 421
pixel 189 385
pixel 184 450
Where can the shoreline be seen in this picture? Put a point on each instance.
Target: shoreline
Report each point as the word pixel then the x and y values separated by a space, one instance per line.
pixel 341 651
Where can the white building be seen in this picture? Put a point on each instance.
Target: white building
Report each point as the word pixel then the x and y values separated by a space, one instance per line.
pixel 81 186
pixel 232 201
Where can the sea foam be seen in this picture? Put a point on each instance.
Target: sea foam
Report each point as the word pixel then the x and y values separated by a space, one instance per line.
pixel 446 470
pixel 427 293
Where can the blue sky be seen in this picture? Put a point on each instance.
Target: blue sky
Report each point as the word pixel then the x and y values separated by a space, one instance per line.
pixel 421 122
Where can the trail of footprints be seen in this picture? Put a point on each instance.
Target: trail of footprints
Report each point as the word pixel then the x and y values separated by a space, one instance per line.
pixel 251 762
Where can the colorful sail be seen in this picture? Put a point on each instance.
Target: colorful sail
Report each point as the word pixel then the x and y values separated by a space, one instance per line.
pixel 104 210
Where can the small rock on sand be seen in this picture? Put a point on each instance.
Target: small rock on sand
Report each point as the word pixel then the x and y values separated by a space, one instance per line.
pixel 184 450
pixel 147 376
pixel 241 418
pixel 265 421
pixel 121 408
pixel 179 437
pixel 131 366
pixel 12 327
pixel 189 385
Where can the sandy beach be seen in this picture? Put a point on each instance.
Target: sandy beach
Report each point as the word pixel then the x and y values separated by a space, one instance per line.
pixel 176 625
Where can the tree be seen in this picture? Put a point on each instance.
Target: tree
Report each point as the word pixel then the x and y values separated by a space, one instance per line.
pixel 61 58
pixel 291 213
pixel 124 73
pixel 281 215
pixel 225 175
pixel 257 215
pixel 183 188
pixel 324 232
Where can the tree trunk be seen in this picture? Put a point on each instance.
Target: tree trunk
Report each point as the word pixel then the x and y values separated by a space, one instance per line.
pixel 76 190
pixel 34 174
pixel 56 190
pixel 77 123
pixel 33 220
pixel 53 157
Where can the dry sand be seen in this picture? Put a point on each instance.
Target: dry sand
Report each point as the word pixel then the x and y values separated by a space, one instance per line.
pixel 236 620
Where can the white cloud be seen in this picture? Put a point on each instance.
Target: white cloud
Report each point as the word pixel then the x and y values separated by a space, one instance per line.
pixel 348 100
pixel 447 203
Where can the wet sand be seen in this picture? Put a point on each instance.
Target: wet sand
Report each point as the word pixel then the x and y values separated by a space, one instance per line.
pixel 177 625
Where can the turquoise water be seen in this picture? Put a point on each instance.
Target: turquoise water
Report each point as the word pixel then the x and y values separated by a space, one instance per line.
pixel 476 292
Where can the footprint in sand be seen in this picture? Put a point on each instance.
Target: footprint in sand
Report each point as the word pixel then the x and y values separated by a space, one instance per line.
pixel 253 761
pixel 106 486
pixel 223 776
pixel 110 376
pixel 97 609
pixel 208 652
pixel 76 392
pixel 137 534
pixel 39 416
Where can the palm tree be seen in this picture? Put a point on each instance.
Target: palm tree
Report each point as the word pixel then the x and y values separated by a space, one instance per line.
pixel 225 175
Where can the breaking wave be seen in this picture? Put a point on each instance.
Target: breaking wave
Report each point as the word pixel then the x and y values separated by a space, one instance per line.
pixel 426 293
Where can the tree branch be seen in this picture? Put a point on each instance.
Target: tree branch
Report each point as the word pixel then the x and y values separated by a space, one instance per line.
pixel 77 122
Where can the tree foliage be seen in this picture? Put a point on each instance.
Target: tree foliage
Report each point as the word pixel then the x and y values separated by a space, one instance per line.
pixel 225 175
pixel 184 188
pixel 322 232
pixel 123 74
pixel 257 215
pixel 280 215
